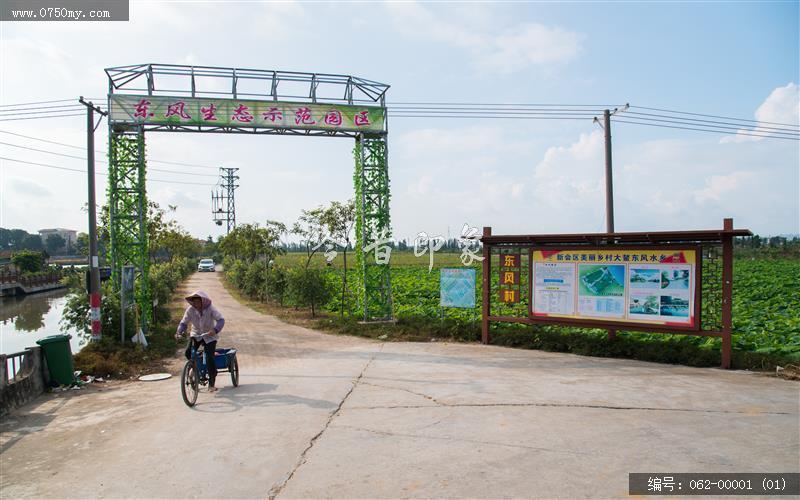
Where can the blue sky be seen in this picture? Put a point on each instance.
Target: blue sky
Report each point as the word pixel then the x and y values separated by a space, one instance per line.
pixel 731 59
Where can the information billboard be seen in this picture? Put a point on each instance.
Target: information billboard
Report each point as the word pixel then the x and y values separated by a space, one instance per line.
pixel 625 285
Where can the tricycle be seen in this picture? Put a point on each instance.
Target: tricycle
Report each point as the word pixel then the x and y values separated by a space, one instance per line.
pixel 195 371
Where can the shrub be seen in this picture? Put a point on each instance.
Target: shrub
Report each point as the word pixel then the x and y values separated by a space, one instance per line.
pixel 234 271
pixel 164 279
pixel 308 287
pixel 254 280
pixel 276 284
pixel 76 314
pixel 28 261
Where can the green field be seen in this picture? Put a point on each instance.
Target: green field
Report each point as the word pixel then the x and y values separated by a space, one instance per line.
pixel 766 303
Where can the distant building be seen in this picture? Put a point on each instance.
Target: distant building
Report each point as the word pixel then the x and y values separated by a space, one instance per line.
pixel 69 235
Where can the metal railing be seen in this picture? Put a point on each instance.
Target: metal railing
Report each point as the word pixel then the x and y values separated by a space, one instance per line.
pixel 14 364
pixel 30 280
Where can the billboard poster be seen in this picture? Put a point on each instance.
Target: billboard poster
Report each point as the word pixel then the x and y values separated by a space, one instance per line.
pixel 554 288
pixel 211 112
pixel 457 287
pixel 651 286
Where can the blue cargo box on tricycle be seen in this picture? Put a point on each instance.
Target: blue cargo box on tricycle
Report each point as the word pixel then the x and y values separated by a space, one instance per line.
pixel 195 371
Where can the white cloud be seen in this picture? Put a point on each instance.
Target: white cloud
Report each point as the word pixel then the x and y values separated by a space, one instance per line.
pixel 718 186
pixel 782 106
pixel 694 184
pixel 505 49
pixel 530 44
pixel 570 176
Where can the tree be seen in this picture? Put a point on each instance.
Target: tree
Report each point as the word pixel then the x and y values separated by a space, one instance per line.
pixel 175 242
pixel 28 261
pixel 14 239
pixel 209 247
pixel 339 220
pixel 311 228
pixel 252 242
pixel 276 283
pixel 82 244
pixel 32 242
pixel 272 238
pixel 54 243
pixel 308 287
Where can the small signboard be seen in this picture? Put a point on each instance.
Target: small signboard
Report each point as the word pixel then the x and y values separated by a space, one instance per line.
pixel 457 287
pixel 128 275
pixel 508 277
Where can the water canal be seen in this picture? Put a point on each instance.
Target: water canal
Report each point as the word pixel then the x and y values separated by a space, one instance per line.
pixel 27 318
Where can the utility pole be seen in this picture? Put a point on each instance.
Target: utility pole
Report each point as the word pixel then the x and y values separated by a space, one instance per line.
pixel 609 178
pixel 94 261
pixel 606 126
pixel 223 202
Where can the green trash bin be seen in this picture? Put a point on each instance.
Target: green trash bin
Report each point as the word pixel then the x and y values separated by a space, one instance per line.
pixel 58 354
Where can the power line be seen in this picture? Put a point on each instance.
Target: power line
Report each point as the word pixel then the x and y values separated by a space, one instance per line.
pixel 44 140
pixel 103 152
pixel 710 116
pixel 102 161
pixel 28 113
pixel 720 128
pixel 594 106
pixel 714 122
pixel 477 111
pixel 99 173
pixel 40 117
pixel 41 107
pixel 469 110
pixel 705 130
pixel 509 117
pixel 35 102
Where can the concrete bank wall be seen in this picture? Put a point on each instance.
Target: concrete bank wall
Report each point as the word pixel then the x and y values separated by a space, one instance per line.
pixel 30 380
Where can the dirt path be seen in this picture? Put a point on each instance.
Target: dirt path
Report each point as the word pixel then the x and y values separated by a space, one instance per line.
pixel 327 416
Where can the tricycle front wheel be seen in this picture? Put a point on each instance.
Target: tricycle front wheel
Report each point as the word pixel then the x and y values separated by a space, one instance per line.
pixel 190 383
pixel 234 369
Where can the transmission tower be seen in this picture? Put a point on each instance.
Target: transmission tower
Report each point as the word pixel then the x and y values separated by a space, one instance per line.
pixel 223 202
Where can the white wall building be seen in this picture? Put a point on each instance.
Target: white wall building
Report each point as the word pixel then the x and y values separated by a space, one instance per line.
pixel 68 234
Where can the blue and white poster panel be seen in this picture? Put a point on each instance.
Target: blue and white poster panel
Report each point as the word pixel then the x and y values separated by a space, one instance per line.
pixel 457 287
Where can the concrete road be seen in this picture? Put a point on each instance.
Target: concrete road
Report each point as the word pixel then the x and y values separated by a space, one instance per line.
pixel 318 415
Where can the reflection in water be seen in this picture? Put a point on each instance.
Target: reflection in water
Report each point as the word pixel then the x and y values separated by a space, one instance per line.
pixel 27 318
pixel 27 311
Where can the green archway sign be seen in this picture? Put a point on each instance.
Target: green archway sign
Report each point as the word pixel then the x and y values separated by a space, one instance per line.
pixel 173 98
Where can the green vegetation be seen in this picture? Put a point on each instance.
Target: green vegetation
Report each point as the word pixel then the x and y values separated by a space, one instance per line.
pixel 109 357
pixel 19 239
pixel 765 308
pixel 172 257
pixel 28 261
